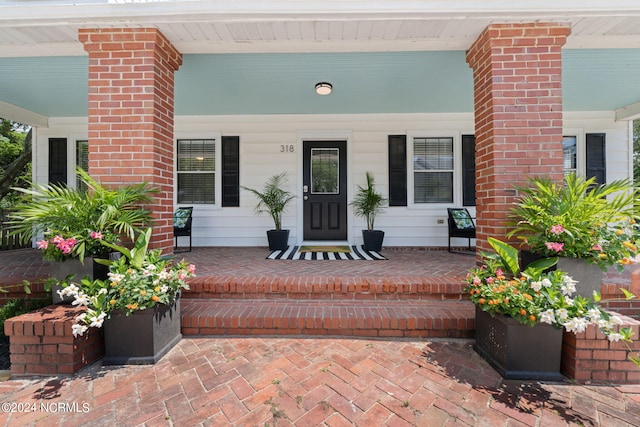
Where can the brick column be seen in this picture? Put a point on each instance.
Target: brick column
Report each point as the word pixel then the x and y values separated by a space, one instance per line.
pixel 517 70
pixel 131 116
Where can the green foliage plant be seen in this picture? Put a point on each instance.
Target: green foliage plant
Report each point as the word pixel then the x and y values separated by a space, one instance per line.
pixel 139 279
pixel 273 199
pixel 578 219
pixel 534 296
pixel 368 202
pixel 80 218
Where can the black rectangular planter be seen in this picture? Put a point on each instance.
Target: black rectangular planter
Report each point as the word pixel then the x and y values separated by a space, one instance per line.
pixel 517 351
pixel 143 337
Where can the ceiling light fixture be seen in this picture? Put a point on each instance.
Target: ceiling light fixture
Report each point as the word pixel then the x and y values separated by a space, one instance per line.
pixel 324 88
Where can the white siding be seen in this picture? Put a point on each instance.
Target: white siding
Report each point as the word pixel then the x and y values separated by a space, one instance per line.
pixel 261 138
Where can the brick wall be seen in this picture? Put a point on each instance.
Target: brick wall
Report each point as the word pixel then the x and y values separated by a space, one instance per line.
pixel 17 292
pixel 589 357
pixel 41 342
pixel 131 114
pixel 517 70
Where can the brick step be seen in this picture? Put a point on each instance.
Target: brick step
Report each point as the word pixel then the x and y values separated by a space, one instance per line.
pixel 443 319
pixel 327 288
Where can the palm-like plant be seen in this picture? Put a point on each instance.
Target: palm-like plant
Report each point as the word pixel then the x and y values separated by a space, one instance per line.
pixel 577 218
pixel 273 199
pixel 368 203
pixel 74 212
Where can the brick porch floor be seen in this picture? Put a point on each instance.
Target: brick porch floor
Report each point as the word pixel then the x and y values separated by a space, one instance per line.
pixel 308 381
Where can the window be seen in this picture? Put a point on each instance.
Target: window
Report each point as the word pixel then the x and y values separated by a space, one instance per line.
pixel 585 157
pixel 570 154
pixel 196 168
pixel 433 170
pixel 82 162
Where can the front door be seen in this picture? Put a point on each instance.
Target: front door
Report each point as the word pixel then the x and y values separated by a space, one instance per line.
pixel 325 190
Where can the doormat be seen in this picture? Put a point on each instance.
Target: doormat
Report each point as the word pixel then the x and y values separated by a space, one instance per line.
pixel 345 249
pixel 355 253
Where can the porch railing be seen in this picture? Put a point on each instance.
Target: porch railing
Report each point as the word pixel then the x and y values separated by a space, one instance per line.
pixel 8 242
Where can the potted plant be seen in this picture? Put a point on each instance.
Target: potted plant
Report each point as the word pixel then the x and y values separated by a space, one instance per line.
pixel 520 314
pixel 589 227
pixel 368 203
pixel 138 305
pixel 273 200
pixel 71 224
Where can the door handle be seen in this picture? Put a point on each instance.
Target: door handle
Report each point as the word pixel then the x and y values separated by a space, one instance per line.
pixel 305 188
pixel 305 198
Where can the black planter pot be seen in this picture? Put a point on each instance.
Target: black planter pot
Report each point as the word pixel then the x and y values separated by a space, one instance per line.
pixel 517 351
pixel 528 257
pixel 143 337
pixel 372 239
pixel 278 239
pixel 60 270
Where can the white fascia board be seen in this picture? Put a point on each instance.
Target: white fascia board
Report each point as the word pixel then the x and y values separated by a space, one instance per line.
pixel 31 13
pixel 630 112
pixel 20 115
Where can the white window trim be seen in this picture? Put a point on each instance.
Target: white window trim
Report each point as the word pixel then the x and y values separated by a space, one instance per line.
pixel 581 150
pixel 217 136
pixel 72 160
pixel 457 168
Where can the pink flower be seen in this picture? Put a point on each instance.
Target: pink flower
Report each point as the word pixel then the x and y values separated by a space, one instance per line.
pixel 66 246
pixel 192 268
pixel 43 244
pixel 57 239
pixel 596 247
pixel 554 246
pixel 557 229
pixel 490 280
pixel 96 235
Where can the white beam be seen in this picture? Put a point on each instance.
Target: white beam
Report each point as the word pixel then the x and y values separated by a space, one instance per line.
pixel 630 112
pixel 20 115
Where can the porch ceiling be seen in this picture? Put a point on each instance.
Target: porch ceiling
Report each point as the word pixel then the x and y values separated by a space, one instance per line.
pixel 283 83
pixel 49 27
pixel 263 57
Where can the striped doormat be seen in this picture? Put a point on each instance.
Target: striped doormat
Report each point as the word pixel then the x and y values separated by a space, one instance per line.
pixel 294 252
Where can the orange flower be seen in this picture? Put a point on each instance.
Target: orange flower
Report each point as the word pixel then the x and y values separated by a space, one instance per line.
pixel 506 300
pixel 532 318
pixel 481 301
pixel 155 298
pixel 523 311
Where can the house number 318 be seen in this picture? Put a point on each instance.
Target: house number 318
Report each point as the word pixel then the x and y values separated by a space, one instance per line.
pixel 286 148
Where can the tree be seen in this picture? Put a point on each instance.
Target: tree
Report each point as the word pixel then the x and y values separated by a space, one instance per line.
pixel 15 159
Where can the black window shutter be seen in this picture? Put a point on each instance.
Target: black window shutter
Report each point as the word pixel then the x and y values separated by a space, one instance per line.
pixel 468 170
pixel 596 157
pixel 230 171
pixel 397 170
pixel 58 161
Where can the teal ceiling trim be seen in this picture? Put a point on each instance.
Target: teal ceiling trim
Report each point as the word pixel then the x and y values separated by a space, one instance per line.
pixel 600 79
pixel 388 82
pixel 52 86
pixel 363 82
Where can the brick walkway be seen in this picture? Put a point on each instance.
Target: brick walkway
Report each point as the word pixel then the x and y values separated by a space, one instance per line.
pixel 312 382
